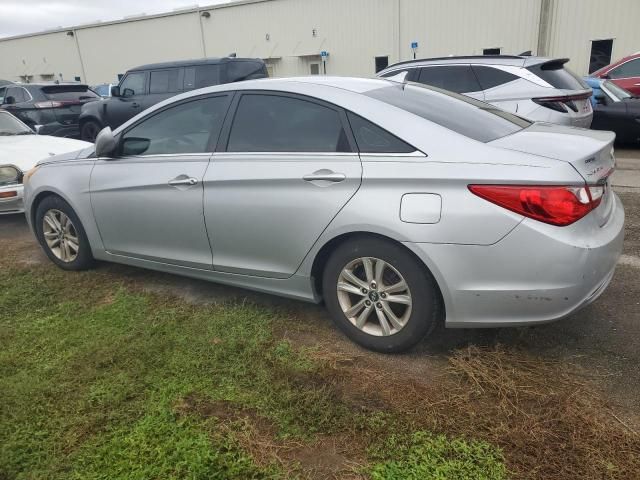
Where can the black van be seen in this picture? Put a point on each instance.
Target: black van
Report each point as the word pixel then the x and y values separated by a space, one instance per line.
pixel 144 86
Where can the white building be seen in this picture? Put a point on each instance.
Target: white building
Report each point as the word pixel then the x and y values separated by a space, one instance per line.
pixel 358 35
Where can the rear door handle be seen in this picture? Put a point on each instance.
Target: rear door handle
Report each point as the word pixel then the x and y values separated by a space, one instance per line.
pixel 183 180
pixel 325 175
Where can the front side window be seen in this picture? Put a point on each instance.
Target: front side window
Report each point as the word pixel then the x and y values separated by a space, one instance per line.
pixel 455 78
pixel 164 81
pixel 629 69
pixel 135 83
pixel 374 139
pixel 466 116
pixel 275 123
pixel 186 128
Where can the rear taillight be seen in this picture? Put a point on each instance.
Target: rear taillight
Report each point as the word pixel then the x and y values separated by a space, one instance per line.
pixel 556 205
pixel 48 104
pixel 561 103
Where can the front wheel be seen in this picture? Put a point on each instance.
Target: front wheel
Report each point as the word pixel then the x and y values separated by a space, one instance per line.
pixel 89 131
pixel 61 235
pixel 379 295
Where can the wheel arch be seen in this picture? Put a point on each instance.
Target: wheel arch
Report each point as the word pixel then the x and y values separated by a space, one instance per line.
pixel 323 254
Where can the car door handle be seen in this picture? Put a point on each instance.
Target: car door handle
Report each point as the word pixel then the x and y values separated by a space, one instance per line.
pixel 183 180
pixel 324 175
pixel 135 105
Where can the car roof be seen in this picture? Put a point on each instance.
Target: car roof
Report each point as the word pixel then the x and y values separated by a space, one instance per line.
pixel 189 63
pixel 50 84
pixel 513 60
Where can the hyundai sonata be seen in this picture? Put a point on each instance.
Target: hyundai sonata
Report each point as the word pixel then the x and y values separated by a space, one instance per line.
pixel 399 205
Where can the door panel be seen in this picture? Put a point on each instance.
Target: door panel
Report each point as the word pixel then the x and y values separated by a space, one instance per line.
pixel 262 215
pixel 139 214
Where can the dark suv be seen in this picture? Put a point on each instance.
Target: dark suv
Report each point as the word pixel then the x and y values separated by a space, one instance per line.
pixel 48 108
pixel 142 87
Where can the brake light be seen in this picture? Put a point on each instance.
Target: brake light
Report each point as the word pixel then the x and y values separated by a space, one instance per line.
pixel 556 205
pixel 560 103
pixel 49 104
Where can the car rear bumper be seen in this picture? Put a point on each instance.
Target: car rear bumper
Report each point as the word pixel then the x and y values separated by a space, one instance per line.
pixel 538 273
pixel 14 204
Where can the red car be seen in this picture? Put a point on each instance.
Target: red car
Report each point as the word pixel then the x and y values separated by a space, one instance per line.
pixel 624 73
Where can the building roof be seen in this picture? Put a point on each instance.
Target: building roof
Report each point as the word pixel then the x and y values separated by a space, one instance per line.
pixel 138 18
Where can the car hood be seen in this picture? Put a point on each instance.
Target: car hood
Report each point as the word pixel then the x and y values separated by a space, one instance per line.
pixel 590 152
pixel 24 151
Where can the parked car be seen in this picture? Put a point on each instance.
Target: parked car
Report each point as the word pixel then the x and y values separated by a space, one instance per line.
pixel 48 108
pixel 625 73
pixel 103 89
pixel 539 89
pixel 20 150
pixel 615 110
pixel 143 87
pixel 400 205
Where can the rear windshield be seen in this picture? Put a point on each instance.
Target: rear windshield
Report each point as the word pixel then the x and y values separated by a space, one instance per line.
pixel 63 93
pixel 556 75
pixel 464 115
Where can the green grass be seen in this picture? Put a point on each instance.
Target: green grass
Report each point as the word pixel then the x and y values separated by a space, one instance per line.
pixel 94 375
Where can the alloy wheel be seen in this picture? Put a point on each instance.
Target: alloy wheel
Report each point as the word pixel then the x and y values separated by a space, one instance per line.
pixel 374 296
pixel 61 235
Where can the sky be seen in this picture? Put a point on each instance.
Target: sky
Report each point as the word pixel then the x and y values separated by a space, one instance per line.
pixel 28 16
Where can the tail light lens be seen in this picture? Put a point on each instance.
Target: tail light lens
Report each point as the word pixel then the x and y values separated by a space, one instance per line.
pixel 561 103
pixel 556 205
pixel 49 104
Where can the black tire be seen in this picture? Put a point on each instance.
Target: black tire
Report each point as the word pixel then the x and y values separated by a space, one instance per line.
pixel 425 297
pixel 89 130
pixel 84 258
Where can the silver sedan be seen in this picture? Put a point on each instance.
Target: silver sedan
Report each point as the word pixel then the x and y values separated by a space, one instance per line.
pixel 397 204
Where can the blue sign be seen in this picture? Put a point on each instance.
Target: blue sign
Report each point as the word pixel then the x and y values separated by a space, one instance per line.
pixel 414 45
pixel 324 53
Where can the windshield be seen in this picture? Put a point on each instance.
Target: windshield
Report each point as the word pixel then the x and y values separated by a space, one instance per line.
pixel 10 125
pixel 464 115
pixel 618 92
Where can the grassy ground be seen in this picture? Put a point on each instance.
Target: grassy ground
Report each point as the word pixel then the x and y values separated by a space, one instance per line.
pixel 101 380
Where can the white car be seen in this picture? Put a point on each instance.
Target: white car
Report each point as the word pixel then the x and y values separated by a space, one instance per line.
pixel 20 150
pixel 536 88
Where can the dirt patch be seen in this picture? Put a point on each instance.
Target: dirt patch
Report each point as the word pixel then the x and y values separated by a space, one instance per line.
pixel 327 457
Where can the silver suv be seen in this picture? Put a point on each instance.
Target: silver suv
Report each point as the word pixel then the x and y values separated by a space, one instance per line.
pixel 539 89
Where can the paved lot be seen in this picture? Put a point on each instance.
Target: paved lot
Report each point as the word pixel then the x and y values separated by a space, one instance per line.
pixel 603 340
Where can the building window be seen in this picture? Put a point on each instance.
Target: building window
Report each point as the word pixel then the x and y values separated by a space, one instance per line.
pixel 47 77
pixel 314 68
pixel 491 51
pixel 382 63
pixel 600 54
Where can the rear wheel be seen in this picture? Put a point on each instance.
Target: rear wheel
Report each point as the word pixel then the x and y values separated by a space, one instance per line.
pixel 90 130
pixel 61 234
pixel 379 295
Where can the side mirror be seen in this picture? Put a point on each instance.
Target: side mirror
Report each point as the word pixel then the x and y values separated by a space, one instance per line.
pixel 115 91
pixel 128 92
pixel 135 146
pixel 9 100
pixel 105 143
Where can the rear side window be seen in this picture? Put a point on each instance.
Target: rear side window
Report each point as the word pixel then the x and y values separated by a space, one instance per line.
pixel 184 128
pixel 245 70
pixel 69 93
pixel 456 78
pixel 466 116
pixel 165 81
pixel 557 76
pixel 629 69
pixel 201 76
pixel 275 123
pixel 490 77
pixel 373 139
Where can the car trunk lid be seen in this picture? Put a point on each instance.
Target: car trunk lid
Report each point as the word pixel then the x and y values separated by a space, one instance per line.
pixel 590 153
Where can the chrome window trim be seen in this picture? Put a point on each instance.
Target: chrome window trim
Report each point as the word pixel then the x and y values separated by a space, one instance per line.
pixel 289 154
